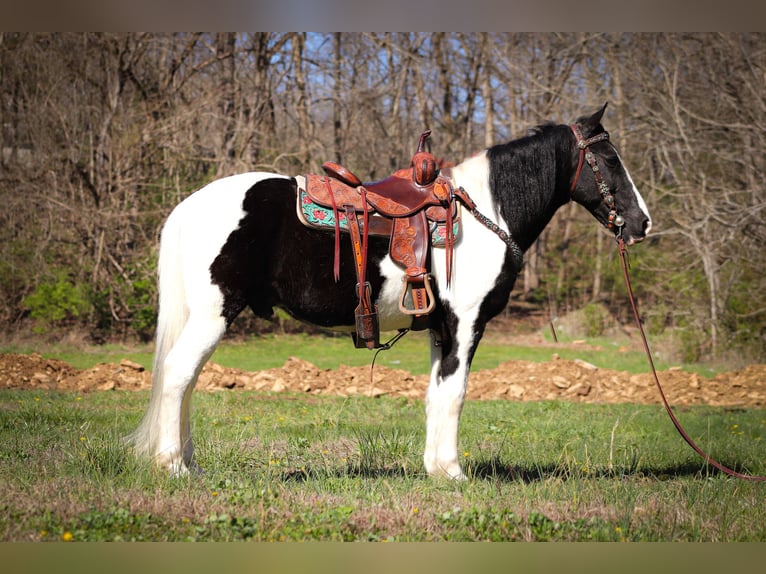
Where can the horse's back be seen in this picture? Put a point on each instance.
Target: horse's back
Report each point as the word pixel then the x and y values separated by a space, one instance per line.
pixel 219 202
pixel 206 218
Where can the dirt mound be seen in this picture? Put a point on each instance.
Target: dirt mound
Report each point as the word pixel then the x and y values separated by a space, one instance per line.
pixel 33 372
pixel 582 382
pixel 513 380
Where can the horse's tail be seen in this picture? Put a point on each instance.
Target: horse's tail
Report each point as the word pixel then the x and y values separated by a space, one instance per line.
pixel 173 314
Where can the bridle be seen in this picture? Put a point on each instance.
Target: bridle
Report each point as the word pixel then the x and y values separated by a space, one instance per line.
pixel 613 218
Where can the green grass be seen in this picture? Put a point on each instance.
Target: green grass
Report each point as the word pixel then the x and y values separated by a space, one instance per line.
pixel 297 467
pixel 410 353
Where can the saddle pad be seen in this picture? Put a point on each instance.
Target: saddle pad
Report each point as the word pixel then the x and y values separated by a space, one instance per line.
pixel 319 217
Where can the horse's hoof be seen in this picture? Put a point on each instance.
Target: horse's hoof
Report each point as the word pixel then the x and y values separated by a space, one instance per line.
pixel 180 469
pixel 450 471
pixel 459 476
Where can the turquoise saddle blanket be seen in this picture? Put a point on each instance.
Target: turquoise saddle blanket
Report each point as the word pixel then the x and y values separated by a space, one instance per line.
pixel 319 217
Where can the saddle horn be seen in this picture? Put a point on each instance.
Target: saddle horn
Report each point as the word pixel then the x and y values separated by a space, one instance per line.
pixel 423 137
pixel 424 169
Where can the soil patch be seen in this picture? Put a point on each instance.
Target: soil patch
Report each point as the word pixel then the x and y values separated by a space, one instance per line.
pixel 513 380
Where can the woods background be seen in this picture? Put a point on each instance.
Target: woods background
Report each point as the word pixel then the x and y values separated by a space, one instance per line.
pixel 102 134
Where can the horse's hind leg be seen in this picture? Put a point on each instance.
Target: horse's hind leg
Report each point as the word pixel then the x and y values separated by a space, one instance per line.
pixel 180 370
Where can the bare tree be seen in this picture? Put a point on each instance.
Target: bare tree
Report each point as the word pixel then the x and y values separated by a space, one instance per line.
pixel 103 133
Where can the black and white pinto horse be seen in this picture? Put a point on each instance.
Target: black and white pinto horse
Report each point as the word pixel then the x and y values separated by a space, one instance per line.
pixel 238 243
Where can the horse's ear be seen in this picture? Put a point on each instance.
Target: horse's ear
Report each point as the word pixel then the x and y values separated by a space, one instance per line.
pixel 599 114
pixel 590 123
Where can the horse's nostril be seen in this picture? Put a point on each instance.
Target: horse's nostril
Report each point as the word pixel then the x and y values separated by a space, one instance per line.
pixel 647 226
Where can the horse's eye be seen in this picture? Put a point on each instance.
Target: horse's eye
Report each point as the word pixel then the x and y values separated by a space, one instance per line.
pixel 612 161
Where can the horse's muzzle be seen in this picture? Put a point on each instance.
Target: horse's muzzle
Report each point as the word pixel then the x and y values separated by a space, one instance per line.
pixel 631 237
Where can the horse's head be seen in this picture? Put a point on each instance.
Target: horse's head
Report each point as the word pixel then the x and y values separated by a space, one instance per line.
pixel 602 183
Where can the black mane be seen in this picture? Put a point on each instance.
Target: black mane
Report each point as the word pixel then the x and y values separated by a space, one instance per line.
pixel 528 179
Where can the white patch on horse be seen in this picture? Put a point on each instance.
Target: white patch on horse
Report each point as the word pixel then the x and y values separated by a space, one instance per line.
pixel 190 323
pixel 478 260
pixel 479 254
pixel 639 198
pixel 389 315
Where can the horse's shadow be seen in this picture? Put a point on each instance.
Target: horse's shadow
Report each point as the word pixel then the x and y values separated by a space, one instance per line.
pixel 308 473
pixel 496 471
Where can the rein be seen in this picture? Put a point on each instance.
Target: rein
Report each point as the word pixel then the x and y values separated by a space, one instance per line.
pixel 461 194
pixel 615 220
pixel 679 428
pixel 518 256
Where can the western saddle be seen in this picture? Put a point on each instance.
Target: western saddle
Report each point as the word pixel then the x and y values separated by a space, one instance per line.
pixel 407 206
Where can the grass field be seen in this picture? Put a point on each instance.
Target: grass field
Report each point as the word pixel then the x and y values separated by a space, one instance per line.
pixel 281 467
pixel 299 467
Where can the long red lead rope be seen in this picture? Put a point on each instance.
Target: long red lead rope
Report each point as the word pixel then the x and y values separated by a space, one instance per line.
pixel 679 428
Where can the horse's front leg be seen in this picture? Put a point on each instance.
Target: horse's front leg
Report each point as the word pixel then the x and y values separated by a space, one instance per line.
pixel 450 363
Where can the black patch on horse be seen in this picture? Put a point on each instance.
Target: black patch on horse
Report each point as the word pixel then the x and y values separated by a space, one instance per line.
pixel 272 259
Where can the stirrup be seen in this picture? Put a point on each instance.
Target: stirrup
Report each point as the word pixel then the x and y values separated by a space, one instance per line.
pixel 407 286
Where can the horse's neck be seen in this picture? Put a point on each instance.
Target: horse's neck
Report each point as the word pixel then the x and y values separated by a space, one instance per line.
pixel 528 227
pixel 525 196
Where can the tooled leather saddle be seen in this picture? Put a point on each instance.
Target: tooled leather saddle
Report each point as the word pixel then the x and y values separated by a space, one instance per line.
pixel 415 207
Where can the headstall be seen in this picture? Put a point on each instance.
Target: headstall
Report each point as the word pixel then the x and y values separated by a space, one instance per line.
pixel 613 218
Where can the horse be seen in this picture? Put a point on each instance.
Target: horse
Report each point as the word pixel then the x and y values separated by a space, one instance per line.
pixel 237 243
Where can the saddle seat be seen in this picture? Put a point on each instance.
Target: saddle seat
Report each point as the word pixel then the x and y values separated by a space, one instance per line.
pixel 406 206
pixel 398 195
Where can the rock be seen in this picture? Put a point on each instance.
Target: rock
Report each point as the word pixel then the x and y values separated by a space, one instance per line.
pixel 278 387
pixel 694 382
pixel 580 389
pixel 560 382
pixel 585 365
pixel 132 365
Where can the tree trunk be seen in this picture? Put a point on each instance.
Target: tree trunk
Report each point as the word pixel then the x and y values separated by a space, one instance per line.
pixel 224 48
pixel 562 273
pixel 302 102
pixel 338 99
pixel 489 111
